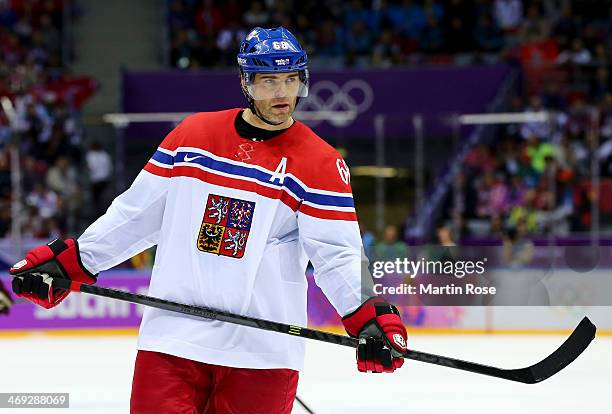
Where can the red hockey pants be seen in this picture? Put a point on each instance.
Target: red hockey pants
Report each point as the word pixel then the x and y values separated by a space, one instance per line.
pixel 166 384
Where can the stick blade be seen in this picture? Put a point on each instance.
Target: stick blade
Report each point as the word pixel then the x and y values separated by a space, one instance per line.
pixel 573 346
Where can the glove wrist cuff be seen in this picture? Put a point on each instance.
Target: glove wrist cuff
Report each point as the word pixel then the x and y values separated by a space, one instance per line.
pixel 69 258
pixel 355 321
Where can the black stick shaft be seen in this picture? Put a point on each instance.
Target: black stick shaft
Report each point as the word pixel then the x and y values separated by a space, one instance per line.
pixel 304 406
pixel 569 351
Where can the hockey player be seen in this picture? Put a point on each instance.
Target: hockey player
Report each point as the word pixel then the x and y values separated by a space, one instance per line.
pixel 5 300
pixel 238 202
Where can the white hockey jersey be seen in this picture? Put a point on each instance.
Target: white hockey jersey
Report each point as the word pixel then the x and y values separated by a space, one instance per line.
pixel 235 222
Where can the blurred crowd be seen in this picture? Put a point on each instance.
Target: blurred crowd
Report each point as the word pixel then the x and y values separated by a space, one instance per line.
pixel 530 178
pixel 386 248
pixel 381 33
pixel 42 119
pixel 536 178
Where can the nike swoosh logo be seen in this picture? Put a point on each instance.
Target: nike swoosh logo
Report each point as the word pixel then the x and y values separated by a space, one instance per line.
pixel 189 159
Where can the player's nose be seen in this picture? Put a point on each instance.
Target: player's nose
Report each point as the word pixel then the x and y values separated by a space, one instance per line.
pixel 281 91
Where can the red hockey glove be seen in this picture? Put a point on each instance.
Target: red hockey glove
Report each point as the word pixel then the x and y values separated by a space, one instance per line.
pixel 33 276
pixel 5 300
pixel 382 335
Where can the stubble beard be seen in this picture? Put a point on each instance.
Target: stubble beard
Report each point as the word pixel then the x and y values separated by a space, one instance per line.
pixel 271 115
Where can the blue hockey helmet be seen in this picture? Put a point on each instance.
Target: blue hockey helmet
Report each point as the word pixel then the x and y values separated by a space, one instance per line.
pixel 271 51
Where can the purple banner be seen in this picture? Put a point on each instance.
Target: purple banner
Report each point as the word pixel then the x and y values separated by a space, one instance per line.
pixel 395 93
pixel 83 311
pixel 88 311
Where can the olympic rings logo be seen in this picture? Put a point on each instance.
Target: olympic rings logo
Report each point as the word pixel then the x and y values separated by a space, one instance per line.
pixel 337 105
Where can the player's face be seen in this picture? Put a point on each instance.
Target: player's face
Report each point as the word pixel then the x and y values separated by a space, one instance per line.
pixel 276 95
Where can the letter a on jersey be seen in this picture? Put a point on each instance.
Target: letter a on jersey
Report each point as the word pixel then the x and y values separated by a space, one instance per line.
pixel 279 173
pixel 226 225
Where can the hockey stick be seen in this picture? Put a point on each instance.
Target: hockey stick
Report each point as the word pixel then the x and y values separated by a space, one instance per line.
pixel 573 346
pixel 304 406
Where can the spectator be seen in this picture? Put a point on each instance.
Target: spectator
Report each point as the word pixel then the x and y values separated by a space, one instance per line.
pixel 606 115
pixel 33 119
pixel 391 247
pixel 538 152
pixel 55 147
pixel 44 200
pixel 5 173
pixel 525 214
pixel 481 158
pixel 413 19
pixel 355 12
pixel 208 19
pixel 62 178
pixel 256 15
pixel 516 192
pixel 517 249
pixel 459 9
pixel 100 168
pixel 369 241
pixel 544 199
pixel 446 237
pixel 600 84
pixel 228 41
pixel 432 37
pixel 496 226
pixel 458 36
pixel 50 35
pixel 180 50
pixel 535 27
pixel 498 198
pixel 358 44
pixel 328 39
pixel 552 97
pixel 487 35
pixel 554 9
pixel 577 55
pixel 8 17
pixel 386 51
pixel 537 129
pixel 33 172
pixel 509 14
pixel 579 118
pixel 5 218
pixel 179 17
pixel 433 8
pixel 566 27
pixel 484 189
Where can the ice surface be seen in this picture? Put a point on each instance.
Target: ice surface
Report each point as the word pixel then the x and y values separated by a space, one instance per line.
pixel 97 372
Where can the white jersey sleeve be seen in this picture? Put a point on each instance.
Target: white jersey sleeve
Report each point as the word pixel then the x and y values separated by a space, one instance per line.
pixel 329 234
pixel 334 248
